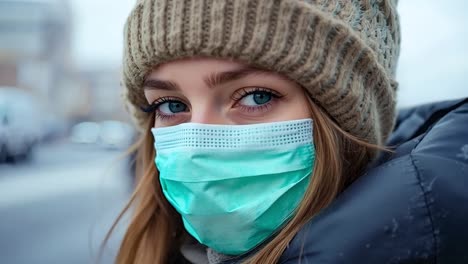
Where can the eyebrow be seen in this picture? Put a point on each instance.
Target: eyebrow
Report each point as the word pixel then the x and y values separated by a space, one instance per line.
pixel 155 84
pixel 213 80
pixel 217 79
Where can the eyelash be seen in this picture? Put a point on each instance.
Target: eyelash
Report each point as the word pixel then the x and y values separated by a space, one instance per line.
pixel 236 97
pixel 242 93
pixel 153 108
pixel 157 103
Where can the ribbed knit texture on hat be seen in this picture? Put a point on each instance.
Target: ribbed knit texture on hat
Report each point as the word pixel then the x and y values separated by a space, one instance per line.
pixel 343 52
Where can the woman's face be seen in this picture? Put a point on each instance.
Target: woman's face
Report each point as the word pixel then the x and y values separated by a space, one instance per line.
pixel 213 91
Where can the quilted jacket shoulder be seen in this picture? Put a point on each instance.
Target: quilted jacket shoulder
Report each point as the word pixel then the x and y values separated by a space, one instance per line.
pixel 411 206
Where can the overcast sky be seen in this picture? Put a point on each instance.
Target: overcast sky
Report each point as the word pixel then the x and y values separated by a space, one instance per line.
pixel 433 61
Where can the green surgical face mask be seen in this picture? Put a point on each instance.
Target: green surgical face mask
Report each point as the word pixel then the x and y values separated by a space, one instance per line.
pixel 235 185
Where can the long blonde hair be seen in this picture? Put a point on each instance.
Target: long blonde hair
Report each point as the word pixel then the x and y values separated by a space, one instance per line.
pixel 156 233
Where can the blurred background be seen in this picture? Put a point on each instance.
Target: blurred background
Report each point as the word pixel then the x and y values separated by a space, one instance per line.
pixel 63 131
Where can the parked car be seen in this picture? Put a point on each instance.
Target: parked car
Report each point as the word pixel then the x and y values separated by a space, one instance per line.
pixel 20 124
pixel 109 134
pixel 116 134
pixel 85 133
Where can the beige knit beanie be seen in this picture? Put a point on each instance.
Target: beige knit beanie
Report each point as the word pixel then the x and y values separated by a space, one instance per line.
pixel 344 52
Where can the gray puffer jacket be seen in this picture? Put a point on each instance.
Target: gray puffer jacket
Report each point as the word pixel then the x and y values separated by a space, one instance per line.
pixel 411 207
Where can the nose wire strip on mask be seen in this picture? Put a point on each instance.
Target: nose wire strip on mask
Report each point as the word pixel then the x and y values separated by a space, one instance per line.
pixel 288 133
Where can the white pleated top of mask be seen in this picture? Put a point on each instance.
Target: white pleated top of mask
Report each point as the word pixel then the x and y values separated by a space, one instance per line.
pixel 258 136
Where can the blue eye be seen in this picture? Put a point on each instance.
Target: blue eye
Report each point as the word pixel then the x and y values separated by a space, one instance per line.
pixel 172 107
pixel 256 98
pixel 166 108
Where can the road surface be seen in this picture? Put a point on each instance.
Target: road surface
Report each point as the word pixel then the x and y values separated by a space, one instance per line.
pixel 57 207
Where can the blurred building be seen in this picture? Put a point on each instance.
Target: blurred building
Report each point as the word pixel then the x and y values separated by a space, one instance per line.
pixel 105 93
pixel 35 41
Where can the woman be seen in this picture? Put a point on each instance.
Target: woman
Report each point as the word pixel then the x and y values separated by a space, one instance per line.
pixel 257 119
